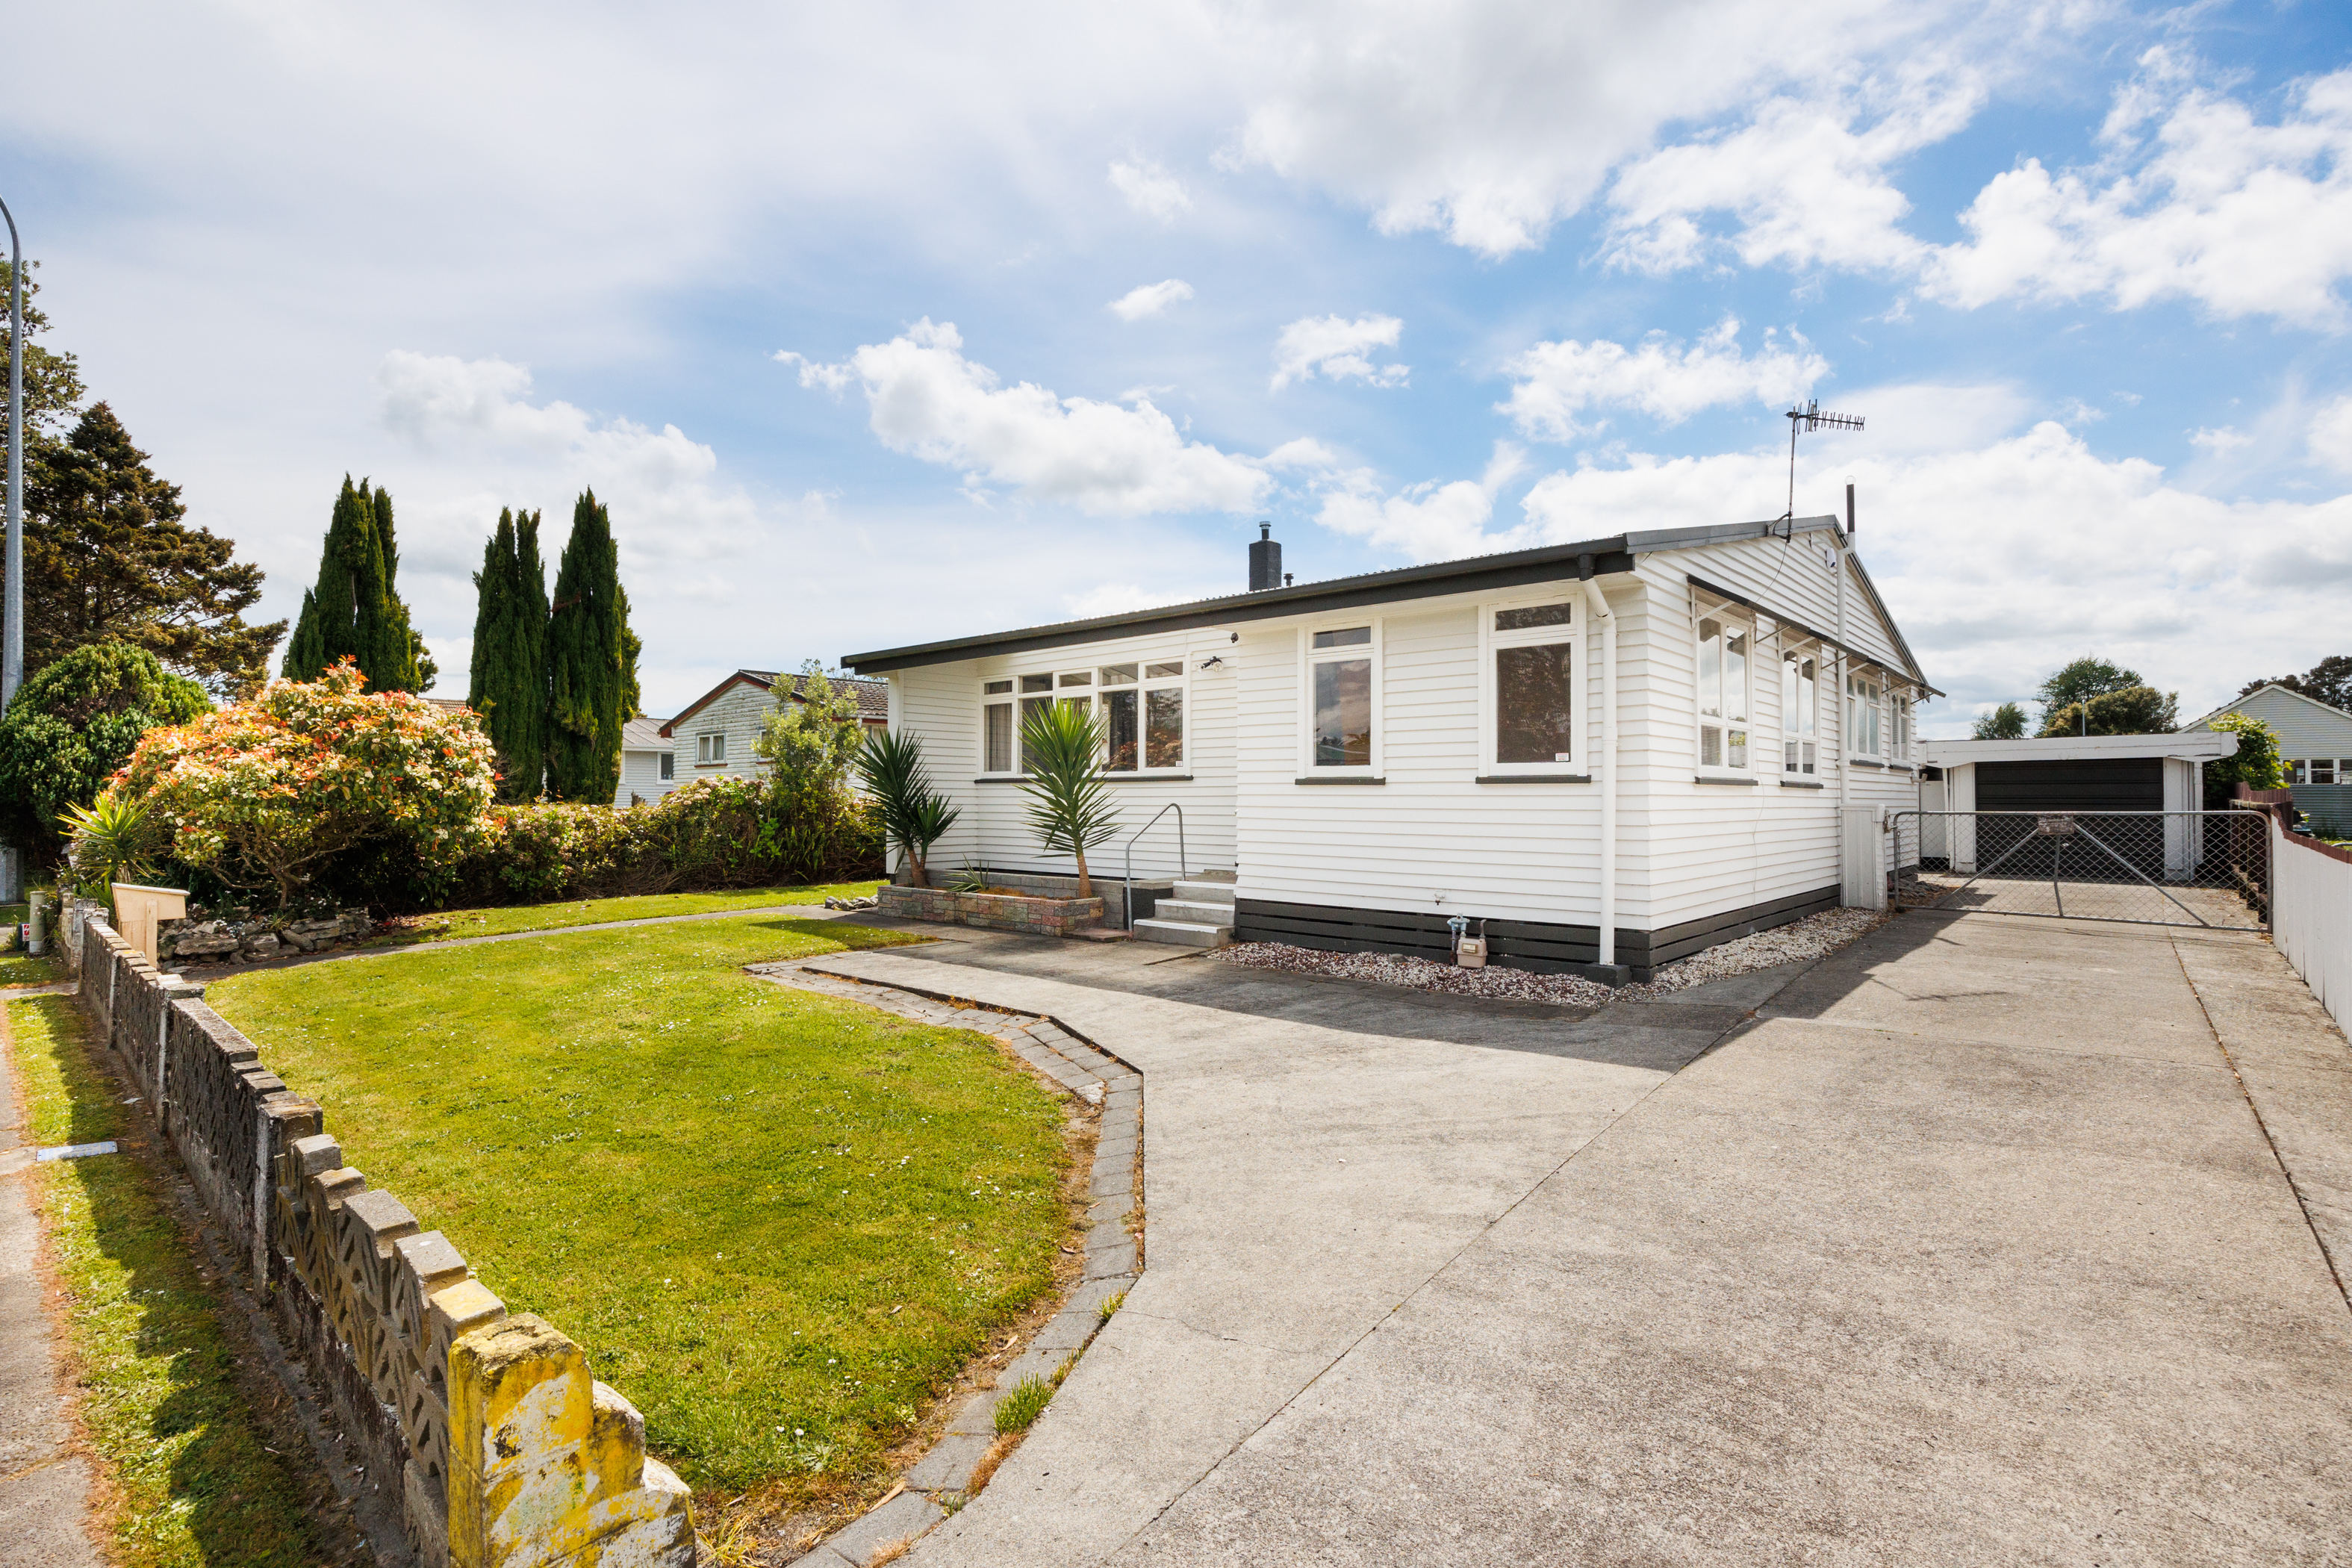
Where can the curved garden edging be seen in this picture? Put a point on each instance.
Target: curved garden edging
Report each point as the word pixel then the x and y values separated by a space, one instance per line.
pixel 940 1482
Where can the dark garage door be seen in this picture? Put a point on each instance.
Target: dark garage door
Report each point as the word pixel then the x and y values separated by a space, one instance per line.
pixel 2082 788
pixel 2121 784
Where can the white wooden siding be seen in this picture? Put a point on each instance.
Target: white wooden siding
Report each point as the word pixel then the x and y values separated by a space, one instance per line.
pixel 641 777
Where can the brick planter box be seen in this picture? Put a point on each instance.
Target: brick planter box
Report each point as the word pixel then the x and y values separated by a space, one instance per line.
pixel 992 912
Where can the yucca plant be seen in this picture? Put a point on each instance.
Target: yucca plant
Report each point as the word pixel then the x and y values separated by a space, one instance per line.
pixel 914 815
pixel 1070 807
pixel 110 843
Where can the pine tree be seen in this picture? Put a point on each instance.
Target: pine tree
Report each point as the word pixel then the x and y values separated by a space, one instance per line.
pixel 592 661
pixel 356 610
pixel 509 684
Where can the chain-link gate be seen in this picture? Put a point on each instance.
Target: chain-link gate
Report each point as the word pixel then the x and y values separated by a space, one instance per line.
pixel 2156 868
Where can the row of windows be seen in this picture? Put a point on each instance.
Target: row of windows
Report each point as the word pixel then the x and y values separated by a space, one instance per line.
pixel 1530 667
pixel 1140 706
pixel 2317 770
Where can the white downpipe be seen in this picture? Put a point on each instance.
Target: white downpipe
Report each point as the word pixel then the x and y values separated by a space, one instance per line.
pixel 1599 605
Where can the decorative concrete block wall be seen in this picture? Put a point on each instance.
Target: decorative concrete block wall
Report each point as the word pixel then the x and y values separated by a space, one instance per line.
pixel 505 1453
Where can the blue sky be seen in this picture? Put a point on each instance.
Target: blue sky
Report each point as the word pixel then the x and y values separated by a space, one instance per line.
pixel 889 323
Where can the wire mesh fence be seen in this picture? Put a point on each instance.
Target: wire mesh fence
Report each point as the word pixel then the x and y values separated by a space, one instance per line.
pixel 2205 868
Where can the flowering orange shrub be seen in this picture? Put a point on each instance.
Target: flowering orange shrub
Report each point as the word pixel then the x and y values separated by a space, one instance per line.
pixel 277 787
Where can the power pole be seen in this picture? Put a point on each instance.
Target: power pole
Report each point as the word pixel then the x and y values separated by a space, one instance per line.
pixel 11 605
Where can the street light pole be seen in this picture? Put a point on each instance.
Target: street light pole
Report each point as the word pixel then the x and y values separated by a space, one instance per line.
pixel 12 604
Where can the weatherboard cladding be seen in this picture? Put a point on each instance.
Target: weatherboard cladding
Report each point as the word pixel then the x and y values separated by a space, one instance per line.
pixel 1430 840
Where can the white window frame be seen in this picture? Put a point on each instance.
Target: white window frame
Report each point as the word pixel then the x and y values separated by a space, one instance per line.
pixel 1309 656
pixel 2334 770
pixel 1731 617
pixel 1491 642
pixel 710 749
pixel 1143 684
pixel 665 766
pixel 1090 691
pixel 1863 731
pixel 1899 715
pixel 1794 656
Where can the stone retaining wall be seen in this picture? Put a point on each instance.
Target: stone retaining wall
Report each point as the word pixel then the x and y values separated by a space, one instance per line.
pixel 550 1466
pixel 992 912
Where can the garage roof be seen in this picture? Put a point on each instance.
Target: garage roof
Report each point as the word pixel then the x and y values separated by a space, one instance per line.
pixel 2199 746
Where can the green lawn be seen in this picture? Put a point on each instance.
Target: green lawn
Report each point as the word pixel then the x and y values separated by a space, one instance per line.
pixel 16 968
pixel 446 925
pixel 160 1397
pixel 777 1221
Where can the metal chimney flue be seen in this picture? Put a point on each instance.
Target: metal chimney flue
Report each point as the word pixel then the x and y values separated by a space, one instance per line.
pixel 1265 560
pixel 1849 511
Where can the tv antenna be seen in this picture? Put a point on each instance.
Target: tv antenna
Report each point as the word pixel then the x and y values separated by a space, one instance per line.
pixel 1811 418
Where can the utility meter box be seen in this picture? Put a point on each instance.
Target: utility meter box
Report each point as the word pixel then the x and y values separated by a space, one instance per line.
pixel 1472 952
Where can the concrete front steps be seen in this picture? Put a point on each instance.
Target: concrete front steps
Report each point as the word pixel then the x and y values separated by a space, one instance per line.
pixel 1201 914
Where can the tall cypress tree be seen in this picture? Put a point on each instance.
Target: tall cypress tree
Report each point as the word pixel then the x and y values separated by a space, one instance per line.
pixel 592 661
pixel 354 611
pixel 509 684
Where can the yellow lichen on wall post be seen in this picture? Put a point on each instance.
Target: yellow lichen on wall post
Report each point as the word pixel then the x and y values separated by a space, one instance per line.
pixel 548 1466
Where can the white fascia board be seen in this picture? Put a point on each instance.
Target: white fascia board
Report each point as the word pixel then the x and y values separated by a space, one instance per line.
pixel 1656 539
pixel 2199 746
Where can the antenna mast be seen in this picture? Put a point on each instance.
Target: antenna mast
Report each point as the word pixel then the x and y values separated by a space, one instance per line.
pixel 1809 417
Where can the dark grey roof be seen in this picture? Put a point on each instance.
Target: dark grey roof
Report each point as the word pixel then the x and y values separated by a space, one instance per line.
pixel 873 696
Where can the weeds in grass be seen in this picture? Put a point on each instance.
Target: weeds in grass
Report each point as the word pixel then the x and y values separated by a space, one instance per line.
pixel 1024 1405
pixel 1110 1303
pixel 986 1469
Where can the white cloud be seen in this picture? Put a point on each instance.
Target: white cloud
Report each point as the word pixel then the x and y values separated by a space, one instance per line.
pixel 435 400
pixel 1150 189
pixel 2330 435
pixel 929 401
pixel 1558 381
pixel 1807 187
pixel 832 378
pixel 2195 200
pixel 2221 442
pixel 1430 522
pixel 1150 299
pixel 1337 349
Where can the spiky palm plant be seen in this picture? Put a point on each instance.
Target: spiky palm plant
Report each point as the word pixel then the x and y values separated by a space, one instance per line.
pixel 914 815
pixel 110 844
pixel 1070 807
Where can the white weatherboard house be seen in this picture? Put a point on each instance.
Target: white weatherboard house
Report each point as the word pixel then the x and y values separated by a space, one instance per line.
pixel 1613 752
pixel 649 766
pixel 714 734
pixel 2315 747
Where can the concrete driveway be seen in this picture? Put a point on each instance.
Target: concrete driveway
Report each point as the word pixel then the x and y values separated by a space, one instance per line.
pixel 1985 1240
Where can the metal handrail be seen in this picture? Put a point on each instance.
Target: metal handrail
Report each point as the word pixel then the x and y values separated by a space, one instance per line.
pixel 1183 861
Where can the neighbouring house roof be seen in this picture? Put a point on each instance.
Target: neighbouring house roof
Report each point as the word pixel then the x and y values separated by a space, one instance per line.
pixel 447 704
pixel 2205 746
pixel 642 734
pixel 1473 574
pixel 873 696
pixel 2237 703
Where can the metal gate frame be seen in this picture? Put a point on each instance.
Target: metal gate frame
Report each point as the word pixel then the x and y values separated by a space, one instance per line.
pixel 2057 829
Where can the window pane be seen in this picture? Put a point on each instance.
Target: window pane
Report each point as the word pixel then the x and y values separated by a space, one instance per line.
pixel 2323 770
pixel 1534 616
pixel 1118 675
pixel 997 688
pixel 1789 703
pixel 1162 671
pixel 1809 756
pixel 1078 678
pixel 1738 749
pixel 1710 669
pixel 1533 704
pixel 1036 683
pixel 1031 705
pixel 1119 718
pixel 669 764
pixel 1343 713
pixel 1354 637
pixel 1000 738
pixel 1163 744
pixel 1710 746
pixel 1870 728
pixel 1808 701
pixel 1735 677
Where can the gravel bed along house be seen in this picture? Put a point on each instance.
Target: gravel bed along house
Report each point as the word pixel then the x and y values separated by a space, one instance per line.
pixel 1811 937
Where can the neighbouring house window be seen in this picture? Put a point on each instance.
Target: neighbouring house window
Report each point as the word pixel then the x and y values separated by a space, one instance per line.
pixel 1723 653
pixel 669 764
pixel 1900 707
pixel 1799 709
pixel 1340 679
pixel 1863 693
pixel 1529 687
pixel 2323 770
pixel 710 750
pixel 1143 716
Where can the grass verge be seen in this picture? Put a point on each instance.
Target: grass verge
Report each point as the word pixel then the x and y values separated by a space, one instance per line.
pixel 193 1478
pixel 448 925
pixel 779 1222
pixel 23 969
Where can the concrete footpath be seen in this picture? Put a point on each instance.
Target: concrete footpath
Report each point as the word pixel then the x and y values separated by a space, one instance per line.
pixel 1965 1245
pixel 44 1487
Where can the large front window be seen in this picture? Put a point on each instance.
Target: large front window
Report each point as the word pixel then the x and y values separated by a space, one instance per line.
pixel 1341 697
pixel 1723 652
pixel 1139 705
pixel 1862 694
pixel 1530 687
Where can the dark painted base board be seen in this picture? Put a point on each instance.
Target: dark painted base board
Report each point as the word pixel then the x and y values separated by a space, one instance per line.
pixel 1537 946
